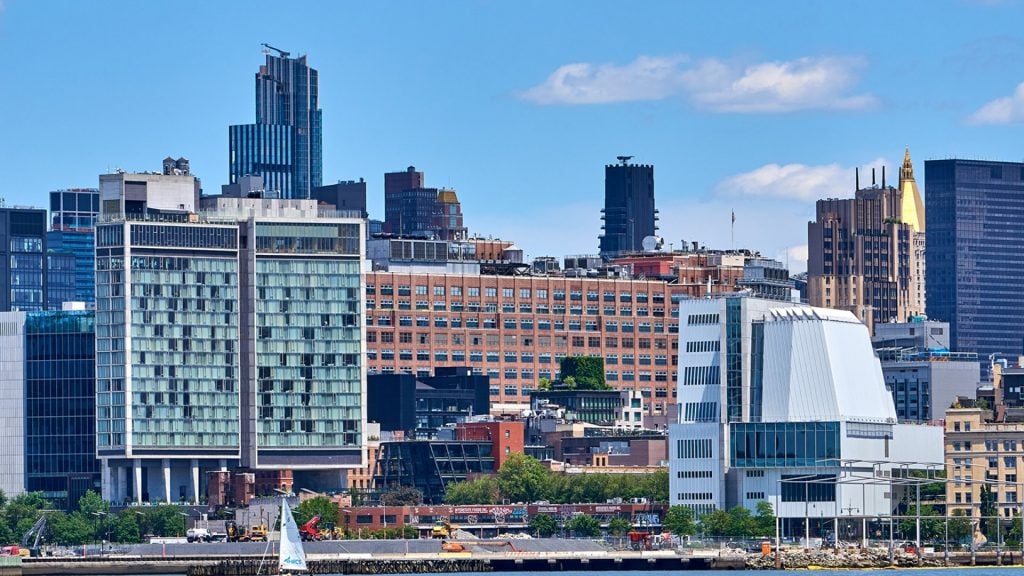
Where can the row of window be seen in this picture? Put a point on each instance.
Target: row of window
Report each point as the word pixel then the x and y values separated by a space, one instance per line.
pixel 703 346
pixel 694 448
pixel 524 293
pixel 687 474
pixel 493 308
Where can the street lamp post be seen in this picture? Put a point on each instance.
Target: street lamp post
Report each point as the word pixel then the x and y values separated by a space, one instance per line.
pixel 103 516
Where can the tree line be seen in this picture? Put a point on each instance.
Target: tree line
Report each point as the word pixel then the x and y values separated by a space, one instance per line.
pixel 523 478
pixel 91 523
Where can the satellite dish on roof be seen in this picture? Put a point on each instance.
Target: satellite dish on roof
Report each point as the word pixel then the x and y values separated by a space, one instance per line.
pixel 652 243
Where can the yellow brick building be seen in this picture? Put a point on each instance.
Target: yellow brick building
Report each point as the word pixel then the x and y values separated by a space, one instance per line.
pixel 977 451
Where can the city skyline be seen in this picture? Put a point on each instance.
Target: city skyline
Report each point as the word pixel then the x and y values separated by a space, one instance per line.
pixel 519 114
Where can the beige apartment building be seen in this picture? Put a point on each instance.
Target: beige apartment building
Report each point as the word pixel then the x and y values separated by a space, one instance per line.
pixel 516 329
pixel 978 451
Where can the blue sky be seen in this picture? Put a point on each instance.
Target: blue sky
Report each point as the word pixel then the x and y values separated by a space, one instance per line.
pixel 757 107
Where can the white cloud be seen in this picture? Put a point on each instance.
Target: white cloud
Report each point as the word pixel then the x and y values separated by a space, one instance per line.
pixel 799 181
pixel 717 85
pixel 1006 110
pixel 646 78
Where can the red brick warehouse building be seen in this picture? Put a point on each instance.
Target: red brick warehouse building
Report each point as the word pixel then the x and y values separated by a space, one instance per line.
pixel 516 329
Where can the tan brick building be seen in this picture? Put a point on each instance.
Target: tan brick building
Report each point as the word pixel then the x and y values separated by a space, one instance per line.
pixel 977 451
pixel 517 328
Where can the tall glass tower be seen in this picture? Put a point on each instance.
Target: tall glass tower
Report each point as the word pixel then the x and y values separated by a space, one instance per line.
pixel 284 145
pixel 974 210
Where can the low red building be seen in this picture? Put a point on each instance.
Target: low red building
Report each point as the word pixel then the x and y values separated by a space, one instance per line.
pixel 506 437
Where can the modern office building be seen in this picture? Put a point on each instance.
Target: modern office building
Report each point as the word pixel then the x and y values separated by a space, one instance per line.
pixel 431 465
pixel 629 214
pixel 47 405
pixel 224 340
pixel 61 277
pixel 284 146
pixel 975 242
pixel 60 406
pixel 419 406
pixel 73 215
pixel 862 256
pixel 24 279
pixel 785 405
pixel 347 196
pixel 516 329
pixel 924 377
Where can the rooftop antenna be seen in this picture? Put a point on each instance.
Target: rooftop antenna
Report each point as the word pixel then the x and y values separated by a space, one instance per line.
pixel 856 172
pixel 732 232
pixel 268 47
pixel 624 159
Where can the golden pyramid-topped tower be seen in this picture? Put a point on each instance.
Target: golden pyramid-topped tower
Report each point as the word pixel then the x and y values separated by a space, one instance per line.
pixel 912 208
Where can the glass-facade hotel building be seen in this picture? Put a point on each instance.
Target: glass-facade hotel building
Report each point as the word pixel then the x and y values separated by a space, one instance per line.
pixel 226 341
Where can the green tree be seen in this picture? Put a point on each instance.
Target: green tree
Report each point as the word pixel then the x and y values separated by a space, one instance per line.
pixel 619 526
pixel 741 523
pixel 584 526
pixel 543 525
pixel 716 523
pixel 959 527
pixel 125 528
pixel 544 384
pixel 321 505
pixel 586 371
pixel 483 490
pixel 679 521
pixel 988 512
pixel 73 529
pixel 764 521
pixel 403 496
pixel 523 478
pixel 163 520
pixel 92 503
pixel 932 525
pixel 22 511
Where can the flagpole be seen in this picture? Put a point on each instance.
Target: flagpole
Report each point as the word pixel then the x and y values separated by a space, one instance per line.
pixel 732 232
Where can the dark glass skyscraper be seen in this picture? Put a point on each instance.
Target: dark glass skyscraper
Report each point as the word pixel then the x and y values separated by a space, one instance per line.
pixel 284 145
pixel 60 406
pixel 72 231
pixel 629 214
pixel 975 240
pixel 23 275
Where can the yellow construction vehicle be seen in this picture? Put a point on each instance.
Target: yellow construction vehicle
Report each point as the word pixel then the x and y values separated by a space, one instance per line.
pixel 443 529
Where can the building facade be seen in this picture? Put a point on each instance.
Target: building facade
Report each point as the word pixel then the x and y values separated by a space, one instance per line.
pixel 419 406
pixel 629 214
pixel 228 340
pixel 60 406
pixel 24 280
pixel 974 210
pixel 862 255
pixel 980 452
pixel 516 329
pixel 284 146
pixel 790 407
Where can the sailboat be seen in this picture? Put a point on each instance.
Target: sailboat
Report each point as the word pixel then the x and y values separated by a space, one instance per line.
pixel 292 557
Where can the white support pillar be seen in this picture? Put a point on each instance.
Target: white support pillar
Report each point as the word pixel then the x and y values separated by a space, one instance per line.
pixel 166 464
pixel 105 481
pixel 195 481
pixel 137 471
pixel 121 488
pixel 223 465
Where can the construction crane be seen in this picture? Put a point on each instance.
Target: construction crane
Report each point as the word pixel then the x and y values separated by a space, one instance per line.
pixel 280 52
pixel 35 536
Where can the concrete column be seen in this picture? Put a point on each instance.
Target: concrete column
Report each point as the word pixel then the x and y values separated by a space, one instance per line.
pixel 105 481
pixel 137 470
pixel 121 488
pixel 166 463
pixel 195 481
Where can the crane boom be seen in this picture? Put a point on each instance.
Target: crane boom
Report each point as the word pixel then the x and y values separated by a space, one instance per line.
pixel 280 52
